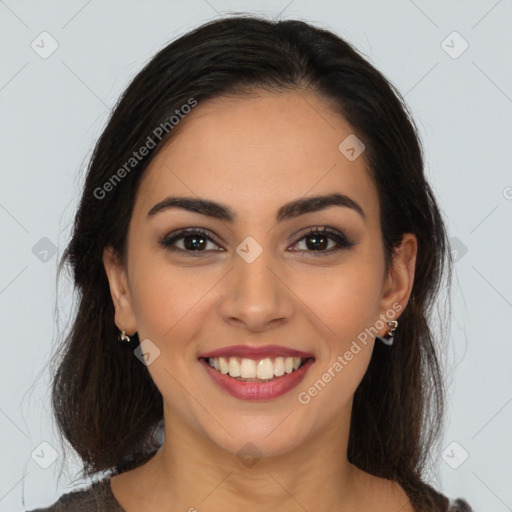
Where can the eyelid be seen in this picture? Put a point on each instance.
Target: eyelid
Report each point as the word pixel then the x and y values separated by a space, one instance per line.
pixel 341 240
pixel 339 237
pixel 167 240
pixel 323 229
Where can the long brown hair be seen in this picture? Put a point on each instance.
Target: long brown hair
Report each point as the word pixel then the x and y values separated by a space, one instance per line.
pixel 105 402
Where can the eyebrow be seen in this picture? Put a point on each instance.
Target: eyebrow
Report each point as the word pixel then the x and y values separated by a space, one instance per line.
pixel 287 211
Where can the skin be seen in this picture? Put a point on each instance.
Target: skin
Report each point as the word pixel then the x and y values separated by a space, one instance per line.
pixel 254 154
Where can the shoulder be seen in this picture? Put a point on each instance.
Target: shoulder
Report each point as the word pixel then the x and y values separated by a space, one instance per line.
pixel 94 498
pixel 460 505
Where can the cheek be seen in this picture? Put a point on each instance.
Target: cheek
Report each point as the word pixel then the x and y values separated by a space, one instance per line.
pixel 170 306
pixel 346 300
pixel 347 303
pixel 348 307
pixel 166 296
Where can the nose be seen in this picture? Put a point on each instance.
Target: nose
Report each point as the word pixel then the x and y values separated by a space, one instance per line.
pixel 255 296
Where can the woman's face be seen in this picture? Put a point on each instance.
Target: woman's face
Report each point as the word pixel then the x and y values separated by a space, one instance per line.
pixel 259 282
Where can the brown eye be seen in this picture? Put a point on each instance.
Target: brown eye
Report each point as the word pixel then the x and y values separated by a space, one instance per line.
pixel 317 241
pixel 193 240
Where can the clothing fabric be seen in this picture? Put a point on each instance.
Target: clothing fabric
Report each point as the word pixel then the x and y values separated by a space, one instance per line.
pixel 98 497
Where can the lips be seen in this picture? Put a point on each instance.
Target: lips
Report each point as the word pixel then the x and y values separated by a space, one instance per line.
pixel 256 373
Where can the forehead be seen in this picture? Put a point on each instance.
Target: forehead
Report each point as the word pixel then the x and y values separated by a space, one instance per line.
pixel 257 152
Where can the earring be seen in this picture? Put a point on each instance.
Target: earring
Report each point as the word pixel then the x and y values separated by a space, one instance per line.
pixel 124 337
pixel 389 339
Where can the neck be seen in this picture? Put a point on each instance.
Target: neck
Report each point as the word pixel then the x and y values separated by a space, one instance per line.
pixel 193 473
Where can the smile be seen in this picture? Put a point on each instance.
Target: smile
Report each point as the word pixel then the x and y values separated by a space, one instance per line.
pixel 256 373
pixel 251 370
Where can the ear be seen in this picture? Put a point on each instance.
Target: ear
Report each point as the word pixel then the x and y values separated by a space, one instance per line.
pixel 398 283
pixel 120 291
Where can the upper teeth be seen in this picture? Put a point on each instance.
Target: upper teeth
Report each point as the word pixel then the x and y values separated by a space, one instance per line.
pixel 251 369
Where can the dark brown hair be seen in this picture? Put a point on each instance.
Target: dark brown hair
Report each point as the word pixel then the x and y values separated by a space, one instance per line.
pixel 104 400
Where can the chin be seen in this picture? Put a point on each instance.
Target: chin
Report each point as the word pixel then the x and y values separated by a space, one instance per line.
pixel 256 437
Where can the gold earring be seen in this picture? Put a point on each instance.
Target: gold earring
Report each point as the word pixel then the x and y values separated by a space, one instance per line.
pixel 124 337
pixel 393 324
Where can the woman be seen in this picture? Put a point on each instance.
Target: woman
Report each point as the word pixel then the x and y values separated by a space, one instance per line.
pixel 257 252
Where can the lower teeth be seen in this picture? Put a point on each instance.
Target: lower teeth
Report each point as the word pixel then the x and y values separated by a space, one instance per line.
pixel 242 379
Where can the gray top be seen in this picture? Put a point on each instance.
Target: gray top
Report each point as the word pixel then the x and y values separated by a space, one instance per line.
pixel 98 497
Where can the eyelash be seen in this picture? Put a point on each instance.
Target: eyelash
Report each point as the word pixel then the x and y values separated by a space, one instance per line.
pixel 341 240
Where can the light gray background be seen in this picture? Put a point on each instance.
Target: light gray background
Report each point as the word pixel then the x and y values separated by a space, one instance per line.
pixel 53 109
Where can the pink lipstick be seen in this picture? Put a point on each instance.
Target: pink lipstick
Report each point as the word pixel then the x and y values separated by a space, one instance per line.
pixel 256 373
